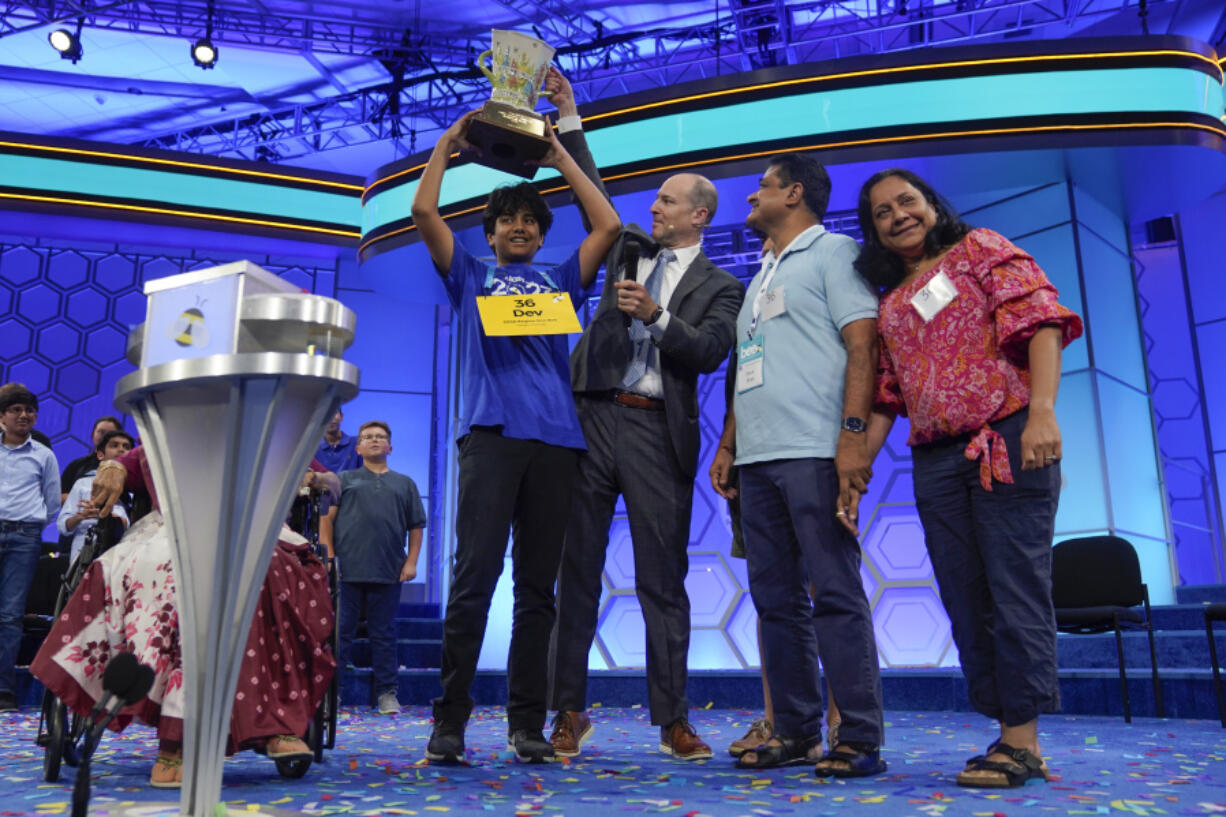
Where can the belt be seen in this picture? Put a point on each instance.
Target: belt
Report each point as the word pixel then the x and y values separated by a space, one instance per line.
pixel 639 401
pixel 11 524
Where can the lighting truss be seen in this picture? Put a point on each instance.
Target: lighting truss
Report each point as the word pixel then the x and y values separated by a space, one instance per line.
pixel 439 81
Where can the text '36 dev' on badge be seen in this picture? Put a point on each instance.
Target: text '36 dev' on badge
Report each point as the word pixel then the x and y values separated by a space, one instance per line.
pixel 543 313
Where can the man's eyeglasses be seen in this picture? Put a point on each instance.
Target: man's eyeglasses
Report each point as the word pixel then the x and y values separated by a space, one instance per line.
pixel 370 438
pixel 15 410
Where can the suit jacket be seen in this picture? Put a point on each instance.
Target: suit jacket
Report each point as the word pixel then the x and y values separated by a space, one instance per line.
pixel 700 332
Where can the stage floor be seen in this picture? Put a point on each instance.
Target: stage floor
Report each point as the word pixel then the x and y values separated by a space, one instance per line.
pixel 1101 766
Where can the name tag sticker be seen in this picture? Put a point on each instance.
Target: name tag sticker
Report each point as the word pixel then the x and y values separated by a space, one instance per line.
pixel 750 356
pixel 773 304
pixel 935 296
pixel 542 313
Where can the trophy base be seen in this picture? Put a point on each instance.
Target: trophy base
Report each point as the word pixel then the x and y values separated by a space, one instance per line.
pixel 508 139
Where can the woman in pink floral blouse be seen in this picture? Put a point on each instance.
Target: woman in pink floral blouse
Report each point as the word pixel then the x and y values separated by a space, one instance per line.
pixel 971 336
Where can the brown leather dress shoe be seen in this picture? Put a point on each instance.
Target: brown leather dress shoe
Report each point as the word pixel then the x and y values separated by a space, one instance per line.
pixel 681 741
pixel 570 730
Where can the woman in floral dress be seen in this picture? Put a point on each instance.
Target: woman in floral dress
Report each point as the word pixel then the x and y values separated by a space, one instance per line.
pixel 126 603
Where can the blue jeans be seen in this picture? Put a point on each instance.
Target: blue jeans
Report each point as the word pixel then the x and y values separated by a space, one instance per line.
pixel 20 547
pixel 382 603
pixel 792 538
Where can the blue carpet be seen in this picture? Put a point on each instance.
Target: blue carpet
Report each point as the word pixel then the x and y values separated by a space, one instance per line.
pixel 1100 766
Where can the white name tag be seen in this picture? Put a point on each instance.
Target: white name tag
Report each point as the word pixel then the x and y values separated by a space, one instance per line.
pixel 935 296
pixel 773 304
pixel 750 355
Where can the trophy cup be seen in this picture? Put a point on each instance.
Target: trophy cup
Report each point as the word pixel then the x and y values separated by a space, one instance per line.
pixel 508 134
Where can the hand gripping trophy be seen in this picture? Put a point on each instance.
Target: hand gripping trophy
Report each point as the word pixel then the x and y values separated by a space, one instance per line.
pixel 508 134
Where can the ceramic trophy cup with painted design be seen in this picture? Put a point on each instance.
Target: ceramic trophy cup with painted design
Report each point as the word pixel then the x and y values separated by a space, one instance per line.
pixel 510 136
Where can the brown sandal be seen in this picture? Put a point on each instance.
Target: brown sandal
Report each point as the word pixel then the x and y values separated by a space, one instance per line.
pixel 167 772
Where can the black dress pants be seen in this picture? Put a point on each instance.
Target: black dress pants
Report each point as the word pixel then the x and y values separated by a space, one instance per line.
pixel 521 486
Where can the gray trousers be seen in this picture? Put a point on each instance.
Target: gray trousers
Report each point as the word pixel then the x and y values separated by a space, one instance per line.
pixel 629 454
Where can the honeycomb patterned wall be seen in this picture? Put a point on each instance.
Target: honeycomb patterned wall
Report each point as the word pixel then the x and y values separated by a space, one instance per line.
pixel 911 625
pixel 64 320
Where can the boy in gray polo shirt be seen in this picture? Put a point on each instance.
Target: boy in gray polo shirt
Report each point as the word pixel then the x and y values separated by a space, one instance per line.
pixel 378 507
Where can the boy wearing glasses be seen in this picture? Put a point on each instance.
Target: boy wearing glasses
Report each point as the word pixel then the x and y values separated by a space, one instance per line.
pixel 377 508
pixel 29 499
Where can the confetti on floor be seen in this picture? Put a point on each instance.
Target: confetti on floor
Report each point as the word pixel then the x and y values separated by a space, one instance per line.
pixel 1101 766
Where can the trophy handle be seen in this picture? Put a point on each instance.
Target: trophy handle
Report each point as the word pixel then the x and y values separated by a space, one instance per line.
pixel 481 63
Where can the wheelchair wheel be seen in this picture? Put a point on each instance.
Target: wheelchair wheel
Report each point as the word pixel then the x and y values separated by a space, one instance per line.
pixel 56 737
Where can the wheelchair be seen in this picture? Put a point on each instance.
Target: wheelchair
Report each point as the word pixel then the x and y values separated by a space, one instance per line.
pixel 305 516
pixel 60 731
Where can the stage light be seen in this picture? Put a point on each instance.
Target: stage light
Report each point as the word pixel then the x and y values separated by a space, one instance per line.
pixel 67 43
pixel 204 53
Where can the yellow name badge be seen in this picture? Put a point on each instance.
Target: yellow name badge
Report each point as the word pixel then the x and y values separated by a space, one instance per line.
pixel 543 313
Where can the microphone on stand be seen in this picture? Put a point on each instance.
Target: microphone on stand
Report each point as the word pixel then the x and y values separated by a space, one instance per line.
pixel 125 681
pixel 630 254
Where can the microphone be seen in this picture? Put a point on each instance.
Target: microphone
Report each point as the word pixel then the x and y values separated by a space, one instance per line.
pixel 630 255
pixel 125 681
pixel 630 271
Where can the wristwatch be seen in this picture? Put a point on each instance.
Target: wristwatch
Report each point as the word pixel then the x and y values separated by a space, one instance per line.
pixel 854 425
pixel 655 316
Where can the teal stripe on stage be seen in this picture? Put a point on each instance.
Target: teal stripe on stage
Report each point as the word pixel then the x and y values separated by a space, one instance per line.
pixel 178 190
pixel 883 106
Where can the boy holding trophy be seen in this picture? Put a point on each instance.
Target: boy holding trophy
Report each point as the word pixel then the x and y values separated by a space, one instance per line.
pixel 519 438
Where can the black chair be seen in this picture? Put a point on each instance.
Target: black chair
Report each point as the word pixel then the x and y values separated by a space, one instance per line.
pixel 1216 612
pixel 1097 587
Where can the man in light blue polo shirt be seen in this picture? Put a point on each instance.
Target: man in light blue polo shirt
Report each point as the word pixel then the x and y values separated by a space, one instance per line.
pixel 29 499
pixel 806 359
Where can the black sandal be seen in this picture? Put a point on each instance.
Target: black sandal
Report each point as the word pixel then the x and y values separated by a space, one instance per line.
pixel 863 761
pixel 789 752
pixel 1022 767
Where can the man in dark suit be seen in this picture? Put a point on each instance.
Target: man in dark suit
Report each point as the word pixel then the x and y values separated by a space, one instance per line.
pixel 666 314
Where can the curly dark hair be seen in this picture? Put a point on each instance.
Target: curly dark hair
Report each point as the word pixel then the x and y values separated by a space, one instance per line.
pixel 509 199
pixel 881 267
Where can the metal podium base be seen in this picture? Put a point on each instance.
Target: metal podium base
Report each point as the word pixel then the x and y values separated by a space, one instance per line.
pixel 166 808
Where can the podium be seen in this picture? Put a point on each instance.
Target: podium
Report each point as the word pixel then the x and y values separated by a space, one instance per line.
pixel 239 373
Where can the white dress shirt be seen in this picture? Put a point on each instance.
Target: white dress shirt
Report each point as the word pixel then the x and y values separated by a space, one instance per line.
pixel 651 383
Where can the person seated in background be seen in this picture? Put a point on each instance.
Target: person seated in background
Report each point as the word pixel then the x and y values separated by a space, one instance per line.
pixel 87 464
pixel 78 514
pixel 126 602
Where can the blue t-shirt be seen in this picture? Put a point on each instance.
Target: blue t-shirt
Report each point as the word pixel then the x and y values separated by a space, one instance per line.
pixel 521 384
pixel 376 513
pixel 797 411
pixel 340 457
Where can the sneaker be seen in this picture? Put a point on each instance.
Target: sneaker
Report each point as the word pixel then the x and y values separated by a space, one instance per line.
pixel 446 743
pixel 8 702
pixel 530 746
pixel 680 740
pixel 389 704
pixel 760 732
pixel 570 730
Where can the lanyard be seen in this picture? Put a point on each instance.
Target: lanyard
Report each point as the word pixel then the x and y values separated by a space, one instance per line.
pixel 490 276
pixel 769 276
pixel 757 298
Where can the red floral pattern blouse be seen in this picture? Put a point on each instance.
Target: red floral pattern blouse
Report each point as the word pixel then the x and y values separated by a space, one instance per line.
pixel 968 366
